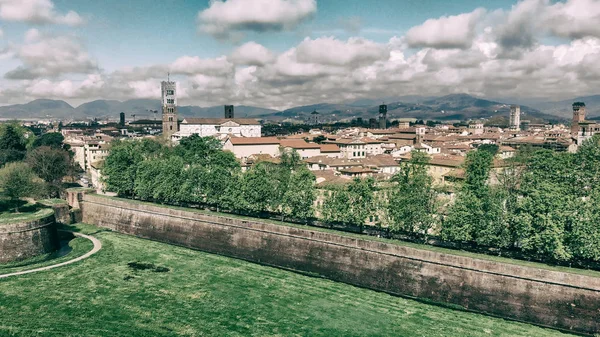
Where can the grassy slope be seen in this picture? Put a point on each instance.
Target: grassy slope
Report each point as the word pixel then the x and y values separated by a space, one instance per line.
pixel 210 295
pixel 592 273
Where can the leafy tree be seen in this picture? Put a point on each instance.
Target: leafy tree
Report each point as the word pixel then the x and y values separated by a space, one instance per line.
pixel 478 165
pixel 17 181
pixel 50 164
pixel 51 139
pixel 12 144
pixel 299 196
pixel 319 139
pixel 463 216
pixel 583 238
pixel 169 179
pixel 412 202
pixel 336 206
pixel 491 148
pixel 121 165
pixel 145 179
pixel 198 150
pixel 260 188
pixel 362 199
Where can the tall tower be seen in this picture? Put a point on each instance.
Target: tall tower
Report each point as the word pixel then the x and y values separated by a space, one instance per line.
pixel 314 118
pixel 122 119
pixel 229 112
pixel 515 118
pixel 383 116
pixel 169 107
pixel 578 117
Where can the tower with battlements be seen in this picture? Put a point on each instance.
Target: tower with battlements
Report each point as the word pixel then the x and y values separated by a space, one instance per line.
pixel 515 118
pixel 578 117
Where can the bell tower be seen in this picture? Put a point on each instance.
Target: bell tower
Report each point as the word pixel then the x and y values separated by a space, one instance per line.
pixel 169 107
pixel 383 116
pixel 578 117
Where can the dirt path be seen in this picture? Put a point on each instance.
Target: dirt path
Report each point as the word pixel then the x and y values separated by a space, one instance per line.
pixel 97 247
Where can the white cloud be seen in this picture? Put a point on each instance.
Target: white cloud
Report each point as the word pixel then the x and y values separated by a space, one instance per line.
pixel 252 53
pixel 1 33
pixel 574 18
pixel 190 65
pixel 330 51
pixel 224 18
pixel 51 56
pixel 455 31
pixel 36 12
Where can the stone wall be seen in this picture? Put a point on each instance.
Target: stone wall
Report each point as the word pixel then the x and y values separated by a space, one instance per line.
pixel 23 240
pixel 549 298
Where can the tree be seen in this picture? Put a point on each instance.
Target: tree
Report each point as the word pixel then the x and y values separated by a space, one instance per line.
pixel 121 165
pixel 491 148
pixel 412 202
pixel 319 139
pixel 478 165
pixel 51 139
pixel 50 164
pixel 299 196
pixel 12 144
pixel 260 188
pixel 17 181
pixel 583 238
pixel 336 206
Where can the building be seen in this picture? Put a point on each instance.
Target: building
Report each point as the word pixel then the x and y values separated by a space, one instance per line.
pixel 578 117
pixel 122 119
pixel 383 116
pixel 219 127
pixel 244 147
pixel 304 149
pixel 229 114
pixel 169 107
pixel 314 118
pixel 350 148
pixel 476 128
pixel 515 118
pixel 373 123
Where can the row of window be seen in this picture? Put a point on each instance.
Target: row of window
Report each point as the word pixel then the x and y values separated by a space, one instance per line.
pixel 170 92
pixel 170 101
pixel 355 154
pixel 170 110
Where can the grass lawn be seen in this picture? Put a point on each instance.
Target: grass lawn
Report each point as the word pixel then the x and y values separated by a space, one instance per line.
pixel 74 248
pixel 443 250
pixel 208 295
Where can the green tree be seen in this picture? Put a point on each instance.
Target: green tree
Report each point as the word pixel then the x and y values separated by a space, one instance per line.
pixel 12 143
pixel 478 165
pixel 299 195
pixel 260 188
pixel 50 164
pixel 491 148
pixel 121 165
pixel 412 203
pixel 336 206
pixel 17 181
pixel 583 238
pixel 51 139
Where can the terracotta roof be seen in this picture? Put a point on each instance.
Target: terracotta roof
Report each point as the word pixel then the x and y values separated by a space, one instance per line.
pixel 358 169
pixel 254 140
pixel 218 121
pixel 403 136
pixel 298 144
pixel 345 141
pixel 380 161
pixel 368 140
pixel 447 161
pixel 505 148
pixel 329 148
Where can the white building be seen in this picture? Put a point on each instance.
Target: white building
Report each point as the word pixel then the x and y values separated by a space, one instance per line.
pixel 305 150
pixel 219 127
pixel 515 118
pixel 244 147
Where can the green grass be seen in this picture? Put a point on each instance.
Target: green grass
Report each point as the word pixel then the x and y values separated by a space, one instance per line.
pixel 77 247
pixel 51 202
pixel 210 295
pixel 586 272
pixel 25 215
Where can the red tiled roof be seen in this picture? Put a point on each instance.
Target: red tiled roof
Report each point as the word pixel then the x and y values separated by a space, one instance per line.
pixel 330 148
pixel 298 144
pixel 218 121
pixel 254 140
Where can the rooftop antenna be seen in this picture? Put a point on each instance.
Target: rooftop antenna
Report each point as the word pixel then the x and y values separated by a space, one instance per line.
pixel 168 77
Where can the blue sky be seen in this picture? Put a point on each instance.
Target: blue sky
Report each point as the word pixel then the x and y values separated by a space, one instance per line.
pixel 301 52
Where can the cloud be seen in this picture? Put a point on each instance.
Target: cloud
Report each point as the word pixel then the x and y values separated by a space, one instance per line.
pixel 51 56
pixel 455 31
pixel 36 12
pixel 1 33
pixel 330 51
pixel 252 53
pixel 574 19
pixel 189 65
pixel 226 18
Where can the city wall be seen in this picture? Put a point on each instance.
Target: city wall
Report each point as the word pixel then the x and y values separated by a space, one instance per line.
pixel 549 298
pixel 27 239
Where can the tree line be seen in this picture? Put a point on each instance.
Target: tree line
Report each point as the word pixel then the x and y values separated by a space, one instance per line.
pixel 541 203
pixel 32 166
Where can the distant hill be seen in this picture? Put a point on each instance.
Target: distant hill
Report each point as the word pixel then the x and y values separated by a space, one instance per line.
pixel 564 108
pixel 45 108
pixel 450 107
pixel 38 108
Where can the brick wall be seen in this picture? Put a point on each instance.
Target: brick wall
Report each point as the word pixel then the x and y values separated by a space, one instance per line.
pixel 23 240
pixel 555 299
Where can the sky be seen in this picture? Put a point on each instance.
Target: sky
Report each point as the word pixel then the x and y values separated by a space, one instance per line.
pixel 284 53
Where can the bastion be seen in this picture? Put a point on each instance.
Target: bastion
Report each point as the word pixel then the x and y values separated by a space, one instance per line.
pixel 30 236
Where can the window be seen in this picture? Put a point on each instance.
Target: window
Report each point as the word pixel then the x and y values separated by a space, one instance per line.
pixel 170 127
pixel 170 101
pixel 170 119
pixel 170 92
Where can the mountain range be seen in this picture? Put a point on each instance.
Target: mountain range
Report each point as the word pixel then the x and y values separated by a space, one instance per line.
pixel 450 107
